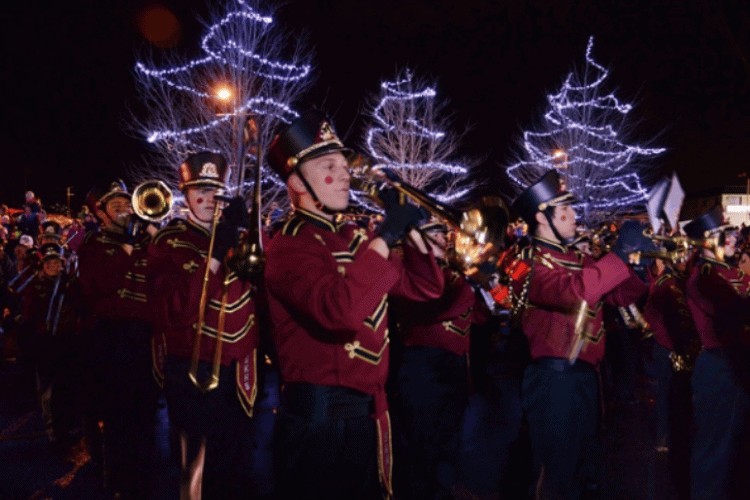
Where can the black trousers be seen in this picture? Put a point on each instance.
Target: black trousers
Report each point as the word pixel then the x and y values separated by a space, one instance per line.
pixel 561 404
pixel 326 445
pixel 720 459
pixel 216 418
pixel 433 386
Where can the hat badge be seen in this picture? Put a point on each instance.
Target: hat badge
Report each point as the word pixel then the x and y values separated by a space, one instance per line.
pixel 326 132
pixel 209 170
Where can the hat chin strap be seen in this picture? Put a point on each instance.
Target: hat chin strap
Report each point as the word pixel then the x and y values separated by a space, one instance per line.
pixel 318 204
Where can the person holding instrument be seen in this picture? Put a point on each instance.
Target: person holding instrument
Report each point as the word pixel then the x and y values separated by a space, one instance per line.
pixel 328 286
pixel 561 316
pixel 207 326
pixel 717 294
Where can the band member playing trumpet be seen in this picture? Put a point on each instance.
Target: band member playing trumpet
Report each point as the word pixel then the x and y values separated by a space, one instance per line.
pixel 206 320
pixel 328 285
pixel 717 294
pixel 562 320
pixel 433 375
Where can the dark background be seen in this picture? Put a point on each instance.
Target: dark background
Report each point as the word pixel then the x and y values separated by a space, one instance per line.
pixel 684 63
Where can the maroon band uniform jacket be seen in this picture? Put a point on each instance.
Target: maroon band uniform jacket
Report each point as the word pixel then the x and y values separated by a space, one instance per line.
pixel 102 265
pixel 668 314
pixel 718 298
pixel 562 278
pixel 177 263
pixel 328 301
pixel 445 322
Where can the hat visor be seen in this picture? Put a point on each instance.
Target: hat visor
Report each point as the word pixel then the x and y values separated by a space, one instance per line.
pixel 331 148
pixel 564 199
pixel 204 183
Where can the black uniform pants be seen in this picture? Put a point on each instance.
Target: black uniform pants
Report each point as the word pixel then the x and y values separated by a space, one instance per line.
pixel 433 386
pixel 129 398
pixel 561 403
pixel 326 444
pixel 720 459
pixel 215 422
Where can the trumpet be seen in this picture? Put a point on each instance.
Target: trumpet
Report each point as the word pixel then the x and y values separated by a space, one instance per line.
pixel 683 246
pixel 478 231
pixel 152 201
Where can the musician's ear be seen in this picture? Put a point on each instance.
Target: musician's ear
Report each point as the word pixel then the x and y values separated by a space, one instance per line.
pixel 541 219
pixel 295 184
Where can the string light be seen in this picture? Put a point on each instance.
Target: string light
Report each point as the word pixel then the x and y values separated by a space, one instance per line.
pixel 599 169
pixel 249 60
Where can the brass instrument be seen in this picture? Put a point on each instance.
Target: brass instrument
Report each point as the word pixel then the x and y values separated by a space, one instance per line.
pixel 152 201
pixel 213 381
pixel 249 259
pixel 684 245
pixel 478 232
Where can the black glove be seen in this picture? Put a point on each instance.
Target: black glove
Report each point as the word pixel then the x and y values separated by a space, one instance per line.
pixel 630 240
pixel 398 220
pixel 236 213
pixel 390 197
pixel 135 227
pixel 226 237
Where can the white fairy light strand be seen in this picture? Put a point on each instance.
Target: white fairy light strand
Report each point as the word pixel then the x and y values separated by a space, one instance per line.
pixel 269 69
pixel 597 145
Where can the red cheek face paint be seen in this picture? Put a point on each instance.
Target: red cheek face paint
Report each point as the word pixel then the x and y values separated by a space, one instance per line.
pixel 563 218
pixel 199 200
pixel 329 180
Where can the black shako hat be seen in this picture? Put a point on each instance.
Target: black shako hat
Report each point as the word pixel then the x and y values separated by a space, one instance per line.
pixel 50 251
pixel 203 169
pixel 546 192
pixel 309 136
pixel 117 188
pixel 702 227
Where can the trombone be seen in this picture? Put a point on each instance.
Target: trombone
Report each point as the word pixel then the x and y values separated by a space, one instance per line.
pixel 478 232
pixel 683 246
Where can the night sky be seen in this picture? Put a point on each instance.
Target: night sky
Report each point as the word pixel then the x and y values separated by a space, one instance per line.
pixel 684 63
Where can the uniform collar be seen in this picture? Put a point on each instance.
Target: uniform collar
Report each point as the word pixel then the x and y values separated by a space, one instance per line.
pixel 552 245
pixel 195 227
pixel 318 221
pixel 717 262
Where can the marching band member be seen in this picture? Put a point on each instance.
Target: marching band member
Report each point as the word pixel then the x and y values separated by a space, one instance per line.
pixel 433 375
pixel 212 424
pixel 48 317
pixel 560 388
pixel 104 260
pixel 676 346
pixel 717 294
pixel 328 285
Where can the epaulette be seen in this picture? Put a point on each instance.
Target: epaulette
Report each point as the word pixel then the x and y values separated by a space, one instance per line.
pixel 525 253
pixel 292 226
pixel 662 279
pixel 91 234
pixel 169 230
pixel 706 268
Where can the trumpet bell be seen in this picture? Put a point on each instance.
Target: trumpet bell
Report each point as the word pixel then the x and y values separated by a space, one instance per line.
pixel 481 231
pixel 152 201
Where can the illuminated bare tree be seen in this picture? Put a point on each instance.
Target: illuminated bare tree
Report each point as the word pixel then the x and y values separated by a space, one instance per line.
pixel 229 100
pixel 582 137
pixel 407 134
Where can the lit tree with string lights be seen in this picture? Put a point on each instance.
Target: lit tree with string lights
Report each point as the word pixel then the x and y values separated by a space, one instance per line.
pixel 583 138
pixel 407 133
pixel 227 100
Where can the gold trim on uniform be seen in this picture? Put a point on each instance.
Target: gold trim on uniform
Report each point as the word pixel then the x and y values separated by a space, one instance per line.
pixel 234 306
pixel 355 349
pixel 227 336
pixel 315 147
pixel 243 385
pixel 191 266
pixel 374 320
pixel 462 332
pixel 139 278
pixel 124 293
pixel 176 243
